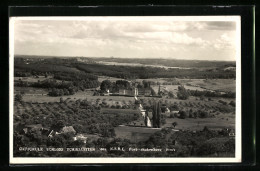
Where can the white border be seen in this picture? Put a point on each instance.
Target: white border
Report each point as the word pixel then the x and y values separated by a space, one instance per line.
pixel 238 153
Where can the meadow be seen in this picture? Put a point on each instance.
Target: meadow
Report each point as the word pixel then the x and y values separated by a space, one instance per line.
pixel 217 123
pixel 135 134
pixel 212 84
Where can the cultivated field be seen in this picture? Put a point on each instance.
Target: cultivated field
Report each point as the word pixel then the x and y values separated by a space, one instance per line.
pixel 217 123
pixel 31 79
pixel 213 84
pixel 134 134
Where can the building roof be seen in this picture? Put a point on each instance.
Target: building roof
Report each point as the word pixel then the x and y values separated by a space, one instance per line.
pixel 67 129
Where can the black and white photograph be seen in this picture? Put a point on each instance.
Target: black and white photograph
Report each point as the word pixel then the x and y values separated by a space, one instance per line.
pixel 125 89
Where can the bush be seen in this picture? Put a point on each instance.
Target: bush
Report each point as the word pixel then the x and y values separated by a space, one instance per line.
pixel 170 94
pixel 183 114
pixel 232 103
pixel 222 102
pixel 174 107
pixel 18 98
pixel 203 114
pixel 182 93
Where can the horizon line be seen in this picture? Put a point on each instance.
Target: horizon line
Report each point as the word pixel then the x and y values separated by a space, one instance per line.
pixel 111 57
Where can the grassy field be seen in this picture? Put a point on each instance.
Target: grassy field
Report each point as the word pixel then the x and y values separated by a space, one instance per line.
pixel 195 84
pixel 112 79
pixel 134 134
pixel 40 95
pixel 174 88
pixel 219 122
pixel 30 91
pixel 31 79
pixel 192 102
pixel 213 84
pixel 118 111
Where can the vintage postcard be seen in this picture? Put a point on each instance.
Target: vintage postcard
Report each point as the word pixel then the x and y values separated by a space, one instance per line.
pixel 150 89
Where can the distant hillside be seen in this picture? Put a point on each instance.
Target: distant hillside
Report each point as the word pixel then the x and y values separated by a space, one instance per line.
pixel 171 62
pixel 145 61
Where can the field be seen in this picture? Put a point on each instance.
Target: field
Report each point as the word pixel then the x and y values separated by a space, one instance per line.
pixel 213 84
pixel 40 95
pixel 112 79
pixel 134 134
pixel 174 88
pixel 31 79
pixel 217 123
pixel 224 85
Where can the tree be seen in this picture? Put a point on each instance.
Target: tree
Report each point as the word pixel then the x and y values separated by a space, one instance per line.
pixel 203 114
pixel 57 141
pixel 190 113
pixel 154 115
pixel 183 114
pixel 170 94
pixel 157 115
pixel 174 107
pixel 105 85
pixel 205 129
pixel 232 103
pixel 146 84
pixel 58 125
pixel 122 84
pixel 18 98
pixel 153 93
pixel 145 118
pixel 182 93
pixel 174 124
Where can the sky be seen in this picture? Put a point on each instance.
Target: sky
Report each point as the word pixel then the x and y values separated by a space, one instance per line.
pixel 126 37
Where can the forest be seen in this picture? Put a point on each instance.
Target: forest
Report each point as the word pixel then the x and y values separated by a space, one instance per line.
pixel 127 72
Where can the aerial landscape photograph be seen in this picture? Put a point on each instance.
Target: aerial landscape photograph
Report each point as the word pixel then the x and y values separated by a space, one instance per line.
pixel 124 87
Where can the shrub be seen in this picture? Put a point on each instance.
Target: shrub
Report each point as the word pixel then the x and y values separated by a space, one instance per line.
pixel 222 102
pixel 232 103
pixel 18 97
pixel 203 114
pixel 183 114
pixel 182 93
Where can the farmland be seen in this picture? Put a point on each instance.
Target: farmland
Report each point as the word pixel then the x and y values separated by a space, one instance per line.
pixel 135 134
pixel 213 84
pixel 74 93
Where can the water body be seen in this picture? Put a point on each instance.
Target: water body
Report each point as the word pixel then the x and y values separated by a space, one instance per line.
pixel 140 65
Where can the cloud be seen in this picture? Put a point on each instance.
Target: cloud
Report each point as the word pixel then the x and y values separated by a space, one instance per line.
pixel 221 25
pixel 224 42
pixel 203 25
pixel 124 38
pixel 187 40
